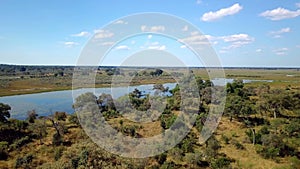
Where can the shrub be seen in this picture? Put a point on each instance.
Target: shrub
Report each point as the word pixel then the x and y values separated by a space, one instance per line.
pixel 57 139
pixel 225 139
pixel 161 158
pixel 269 152
pixel 60 116
pixel 221 163
pixel 58 153
pixel 24 162
pixel 295 162
pixel 3 152
pixel 74 119
pixel 238 145
pixel 168 165
pixel 21 142
pixel 3 155
pixel 31 116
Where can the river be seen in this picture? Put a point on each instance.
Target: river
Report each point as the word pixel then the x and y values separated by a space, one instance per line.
pixel 48 102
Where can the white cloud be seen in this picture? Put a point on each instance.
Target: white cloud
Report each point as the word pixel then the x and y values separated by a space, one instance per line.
pixel 211 16
pixel 237 37
pixel 149 36
pixel 162 47
pixel 278 33
pixel 143 28
pixel 70 44
pixel 298 5
pixel 107 43
pixel 198 1
pixel 280 51
pixel 81 34
pixel 120 22
pixel 101 34
pixel 279 14
pixel 185 28
pixel 158 28
pixel 182 46
pixel 237 40
pixel 122 47
pixel 197 39
pixel 154 43
pixel 234 41
pixel 258 50
pixel 223 51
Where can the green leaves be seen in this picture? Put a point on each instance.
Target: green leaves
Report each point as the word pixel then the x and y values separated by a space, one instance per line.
pixel 4 112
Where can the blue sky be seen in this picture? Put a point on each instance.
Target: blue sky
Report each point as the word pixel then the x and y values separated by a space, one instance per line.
pixel 243 33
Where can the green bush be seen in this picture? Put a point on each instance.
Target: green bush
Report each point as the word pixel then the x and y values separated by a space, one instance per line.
pixel 3 150
pixel 221 163
pixel 161 158
pixel 238 145
pixel 60 116
pixel 73 119
pixel 225 139
pixel 294 162
pixel 57 139
pixel 20 142
pixel 24 162
pixel 58 153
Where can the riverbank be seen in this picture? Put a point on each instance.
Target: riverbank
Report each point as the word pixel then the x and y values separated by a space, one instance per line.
pixel 17 85
pixel 32 86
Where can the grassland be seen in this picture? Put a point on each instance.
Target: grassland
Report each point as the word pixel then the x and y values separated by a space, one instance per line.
pixel 16 84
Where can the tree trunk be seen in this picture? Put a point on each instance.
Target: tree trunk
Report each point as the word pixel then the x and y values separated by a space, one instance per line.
pixel 275 116
pixel 253 136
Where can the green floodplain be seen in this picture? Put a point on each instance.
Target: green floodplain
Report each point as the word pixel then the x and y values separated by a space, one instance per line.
pixel 260 126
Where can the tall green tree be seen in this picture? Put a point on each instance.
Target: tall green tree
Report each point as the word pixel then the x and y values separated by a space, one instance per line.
pixel 4 112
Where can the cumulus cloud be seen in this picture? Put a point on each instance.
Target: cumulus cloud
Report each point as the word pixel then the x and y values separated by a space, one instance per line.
pixel 70 44
pixel 278 33
pixel 280 51
pixel 158 28
pixel 280 13
pixel 107 43
pixel 211 16
pixel 122 47
pixel 101 34
pixel 185 28
pixel 237 40
pixel 120 22
pixel 258 50
pixel 197 39
pixel 234 41
pixel 157 47
pixel 81 34
pixel 182 46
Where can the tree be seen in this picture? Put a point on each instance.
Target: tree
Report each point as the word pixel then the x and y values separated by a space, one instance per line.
pixel 160 87
pixel 157 72
pixel 60 116
pixel 39 129
pixel 31 116
pixel 106 102
pixel 4 112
